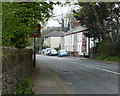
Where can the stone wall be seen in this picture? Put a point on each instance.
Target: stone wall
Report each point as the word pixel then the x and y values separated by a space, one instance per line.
pixel 16 66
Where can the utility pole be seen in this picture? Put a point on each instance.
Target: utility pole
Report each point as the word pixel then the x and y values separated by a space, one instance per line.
pixel 94 48
pixel 34 52
pixel 89 47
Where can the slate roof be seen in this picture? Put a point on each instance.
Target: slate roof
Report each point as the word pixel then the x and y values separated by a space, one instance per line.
pixel 55 34
pixel 75 29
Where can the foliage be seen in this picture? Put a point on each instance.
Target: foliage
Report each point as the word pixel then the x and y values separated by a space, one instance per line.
pixel 44 47
pixel 19 19
pixel 102 19
pixel 0 24
pixel 56 48
pixel 25 88
pixel 102 50
pixel 107 50
pixel 110 58
pixel 113 58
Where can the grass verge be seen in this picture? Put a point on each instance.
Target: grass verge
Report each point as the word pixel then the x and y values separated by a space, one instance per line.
pixel 110 58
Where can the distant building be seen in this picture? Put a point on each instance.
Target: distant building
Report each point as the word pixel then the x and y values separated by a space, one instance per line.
pixel 52 39
pixel 75 41
pixel 54 28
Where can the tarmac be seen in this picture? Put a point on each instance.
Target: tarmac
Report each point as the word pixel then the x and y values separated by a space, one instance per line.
pixel 45 81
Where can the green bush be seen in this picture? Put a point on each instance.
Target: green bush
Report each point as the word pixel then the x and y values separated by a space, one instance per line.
pixel 101 57
pixel 102 50
pixel 25 88
pixel 108 50
pixel 44 47
pixel 56 49
pixel 113 58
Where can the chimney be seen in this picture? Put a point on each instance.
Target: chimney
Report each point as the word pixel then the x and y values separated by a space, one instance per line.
pixel 75 23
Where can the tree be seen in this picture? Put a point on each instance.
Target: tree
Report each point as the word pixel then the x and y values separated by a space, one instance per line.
pixel 19 19
pixel 64 18
pixel 97 17
pixel 103 21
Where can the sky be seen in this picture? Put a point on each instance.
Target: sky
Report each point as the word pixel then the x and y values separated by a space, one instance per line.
pixel 52 23
pixel 58 11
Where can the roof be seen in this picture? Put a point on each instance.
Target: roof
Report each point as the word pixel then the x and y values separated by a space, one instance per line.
pixel 75 29
pixel 55 34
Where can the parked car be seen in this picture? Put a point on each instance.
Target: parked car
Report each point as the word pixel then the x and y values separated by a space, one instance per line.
pixel 62 53
pixel 48 50
pixel 43 51
pixel 53 52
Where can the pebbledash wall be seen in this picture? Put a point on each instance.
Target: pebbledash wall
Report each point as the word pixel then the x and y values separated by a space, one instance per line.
pixel 16 66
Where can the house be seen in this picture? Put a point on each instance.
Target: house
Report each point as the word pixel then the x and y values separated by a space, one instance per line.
pixel 75 41
pixel 52 39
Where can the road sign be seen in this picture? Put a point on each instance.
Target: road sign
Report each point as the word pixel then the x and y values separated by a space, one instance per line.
pixel 37 31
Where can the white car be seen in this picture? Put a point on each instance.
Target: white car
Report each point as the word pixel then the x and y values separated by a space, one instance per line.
pixel 43 51
pixel 48 50
pixel 53 52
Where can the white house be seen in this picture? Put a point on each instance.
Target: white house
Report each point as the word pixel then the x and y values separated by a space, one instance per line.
pixel 52 39
pixel 75 42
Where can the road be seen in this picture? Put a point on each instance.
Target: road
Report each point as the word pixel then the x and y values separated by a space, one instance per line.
pixel 83 76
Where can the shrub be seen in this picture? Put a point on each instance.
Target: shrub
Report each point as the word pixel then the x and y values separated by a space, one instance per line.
pixel 108 49
pixel 56 49
pixel 44 47
pixel 113 58
pixel 102 50
pixel 25 88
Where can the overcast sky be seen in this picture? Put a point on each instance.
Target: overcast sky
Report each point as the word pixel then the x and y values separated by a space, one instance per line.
pixel 58 11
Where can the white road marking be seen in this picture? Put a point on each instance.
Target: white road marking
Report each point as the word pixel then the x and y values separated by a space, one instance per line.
pixel 98 68
pixel 69 83
pixel 86 65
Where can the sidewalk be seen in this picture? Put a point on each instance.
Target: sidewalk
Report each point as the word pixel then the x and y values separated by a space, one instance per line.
pixel 45 81
pixel 0 84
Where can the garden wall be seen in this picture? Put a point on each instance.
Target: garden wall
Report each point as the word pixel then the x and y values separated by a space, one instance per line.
pixel 16 66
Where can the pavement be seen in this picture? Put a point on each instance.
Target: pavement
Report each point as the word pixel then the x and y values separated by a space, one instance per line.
pixel 0 79
pixel 45 81
pixel 0 84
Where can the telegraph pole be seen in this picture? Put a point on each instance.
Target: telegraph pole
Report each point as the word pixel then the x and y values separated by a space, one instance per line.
pixel 34 64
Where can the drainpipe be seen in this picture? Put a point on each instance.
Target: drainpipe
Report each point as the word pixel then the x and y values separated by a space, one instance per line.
pixel 88 47
pixel 94 49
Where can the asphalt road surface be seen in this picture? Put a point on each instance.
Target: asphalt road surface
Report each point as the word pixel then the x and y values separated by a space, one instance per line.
pixel 83 76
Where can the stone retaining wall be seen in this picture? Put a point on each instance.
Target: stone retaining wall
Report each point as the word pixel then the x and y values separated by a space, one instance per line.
pixel 16 66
